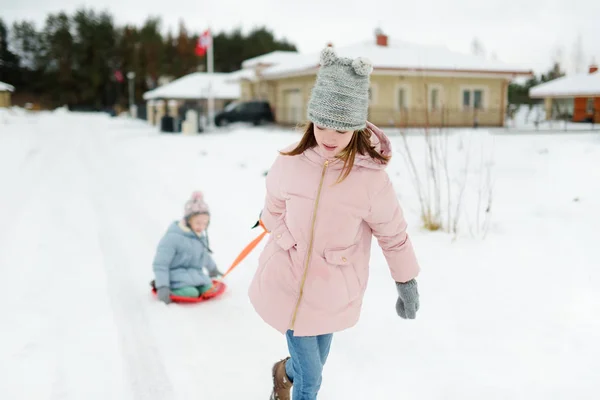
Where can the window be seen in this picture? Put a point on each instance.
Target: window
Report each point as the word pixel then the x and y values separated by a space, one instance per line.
pixel 255 107
pixel 435 97
pixel 243 107
pixel 478 99
pixel 231 106
pixel 402 100
pixel 466 98
pixel 590 105
pixel 473 98
pixel 373 94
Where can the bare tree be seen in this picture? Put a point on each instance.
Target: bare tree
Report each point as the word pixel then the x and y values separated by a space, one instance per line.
pixel 558 55
pixel 451 185
pixel 477 47
pixel 578 55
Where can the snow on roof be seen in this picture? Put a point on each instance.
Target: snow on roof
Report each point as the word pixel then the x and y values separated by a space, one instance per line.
pixel 274 57
pixel 521 80
pixel 402 55
pixel 569 86
pixel 241 74
pixel 5 87
pixel 196 86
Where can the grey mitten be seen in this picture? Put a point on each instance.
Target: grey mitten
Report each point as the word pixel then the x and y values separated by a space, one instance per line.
pixel 164 294
pixel 407 304
pixel 215 273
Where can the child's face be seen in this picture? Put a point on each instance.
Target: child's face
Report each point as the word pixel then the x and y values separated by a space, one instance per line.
pixel 199 222
pixel 330 141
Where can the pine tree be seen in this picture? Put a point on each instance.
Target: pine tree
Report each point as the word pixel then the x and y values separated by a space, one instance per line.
pixel 73 58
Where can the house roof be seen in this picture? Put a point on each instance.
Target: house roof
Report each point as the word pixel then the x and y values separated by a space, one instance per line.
pixel 585 84
pixel 196 86
pixel 5 87
pixel 274 57
pixel 400 55
pixel 241 74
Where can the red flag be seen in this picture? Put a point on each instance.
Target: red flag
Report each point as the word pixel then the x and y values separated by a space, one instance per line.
pixel 204 42
pixel 119 76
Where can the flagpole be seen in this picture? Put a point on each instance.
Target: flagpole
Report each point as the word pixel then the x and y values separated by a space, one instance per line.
pixel 210 68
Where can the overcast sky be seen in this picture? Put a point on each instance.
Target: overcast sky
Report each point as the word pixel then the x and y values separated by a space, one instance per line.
pixel 526 32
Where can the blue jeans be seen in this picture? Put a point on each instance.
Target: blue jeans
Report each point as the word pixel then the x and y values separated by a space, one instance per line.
pixel 304 368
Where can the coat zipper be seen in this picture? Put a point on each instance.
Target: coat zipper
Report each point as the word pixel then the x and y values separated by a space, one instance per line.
pixel 310 243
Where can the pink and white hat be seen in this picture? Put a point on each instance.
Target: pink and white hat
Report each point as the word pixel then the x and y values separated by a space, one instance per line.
pixel 195 205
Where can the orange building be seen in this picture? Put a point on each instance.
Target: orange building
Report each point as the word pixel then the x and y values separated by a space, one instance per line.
pixel 575 96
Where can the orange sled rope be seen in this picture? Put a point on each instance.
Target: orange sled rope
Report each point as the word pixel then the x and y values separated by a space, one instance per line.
pixel 247 249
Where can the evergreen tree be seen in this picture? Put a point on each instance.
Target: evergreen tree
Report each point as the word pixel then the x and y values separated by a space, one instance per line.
pixel 82 60
pixel 9 62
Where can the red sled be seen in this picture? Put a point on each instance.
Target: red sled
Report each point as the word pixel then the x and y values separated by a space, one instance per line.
pixel 216 290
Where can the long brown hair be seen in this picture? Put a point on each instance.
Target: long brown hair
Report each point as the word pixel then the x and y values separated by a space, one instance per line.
pixel 360 143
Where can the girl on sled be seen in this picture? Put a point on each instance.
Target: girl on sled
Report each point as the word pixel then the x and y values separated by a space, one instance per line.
pixel 183 254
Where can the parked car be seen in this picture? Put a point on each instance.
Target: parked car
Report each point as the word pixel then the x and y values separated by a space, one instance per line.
pixel 257 112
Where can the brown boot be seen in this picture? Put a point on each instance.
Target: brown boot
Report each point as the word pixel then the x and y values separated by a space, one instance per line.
pixel 281 382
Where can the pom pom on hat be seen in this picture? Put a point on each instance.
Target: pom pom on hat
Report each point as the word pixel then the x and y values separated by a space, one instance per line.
pixel 328 56
pixel 197 196
pixel 195 205
pixel 340 97
pixel 362 66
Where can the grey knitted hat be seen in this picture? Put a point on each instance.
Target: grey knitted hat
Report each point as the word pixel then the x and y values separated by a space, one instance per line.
pixel 340 97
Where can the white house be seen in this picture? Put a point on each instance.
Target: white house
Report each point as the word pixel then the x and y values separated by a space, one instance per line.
pixel 411 84
pixel 193 89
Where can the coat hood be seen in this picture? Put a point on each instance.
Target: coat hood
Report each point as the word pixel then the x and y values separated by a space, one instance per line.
pixel 179 228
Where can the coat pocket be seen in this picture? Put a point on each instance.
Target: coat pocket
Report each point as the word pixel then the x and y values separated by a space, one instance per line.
pixel 268 252
pixel 277 266
pixel 343 259
pixel 283 237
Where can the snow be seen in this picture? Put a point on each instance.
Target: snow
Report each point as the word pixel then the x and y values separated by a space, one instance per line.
pixel 197 85
pixel 5 87
pixel 274 57
pixel 241 74
pixel 84 199
pixel 584 84
pixel 402 55
pixel 533 119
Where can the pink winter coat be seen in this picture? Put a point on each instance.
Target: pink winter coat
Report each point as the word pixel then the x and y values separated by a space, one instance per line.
pixel 314 268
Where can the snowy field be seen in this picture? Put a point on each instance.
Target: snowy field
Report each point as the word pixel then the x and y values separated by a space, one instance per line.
pixel 85 198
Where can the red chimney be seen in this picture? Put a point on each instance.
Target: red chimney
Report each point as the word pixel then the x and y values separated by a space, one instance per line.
pixel 593 68
pixel 329 44
pixel 382 39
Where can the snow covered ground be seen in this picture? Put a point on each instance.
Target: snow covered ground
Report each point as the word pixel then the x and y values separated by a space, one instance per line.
pixel 534 120
pixel 85 198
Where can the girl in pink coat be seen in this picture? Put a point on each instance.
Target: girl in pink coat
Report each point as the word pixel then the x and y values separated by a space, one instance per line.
pixel 326 197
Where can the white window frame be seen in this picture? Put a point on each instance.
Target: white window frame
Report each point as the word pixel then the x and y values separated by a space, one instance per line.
pixel 430 88
pixel 374 93
pixel 472 88
pixel 408 96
